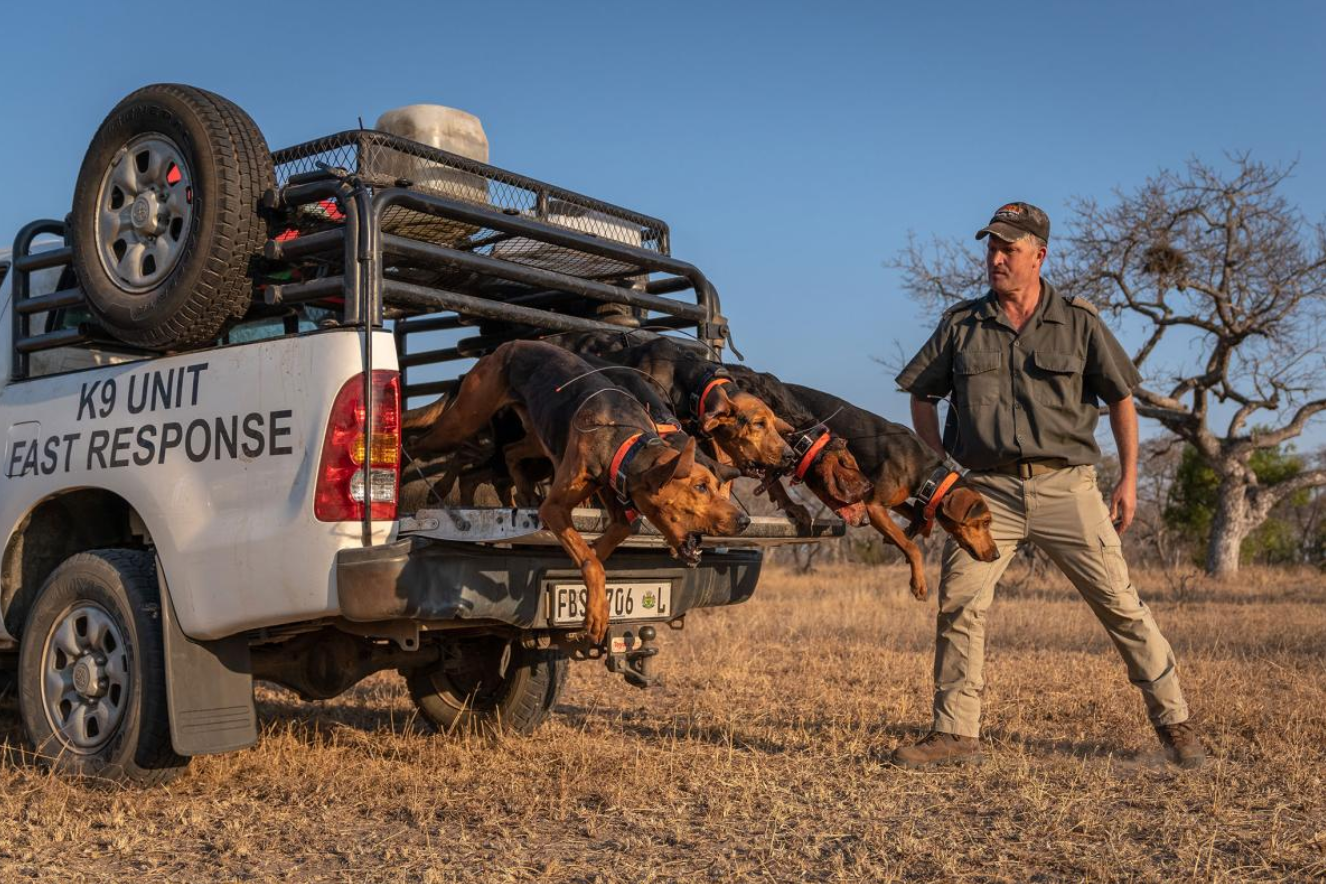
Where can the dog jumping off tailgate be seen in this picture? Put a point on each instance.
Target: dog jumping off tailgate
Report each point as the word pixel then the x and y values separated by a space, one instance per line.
pixel 599 438
pixel 504 456
pixel 897 464
pixel 710 404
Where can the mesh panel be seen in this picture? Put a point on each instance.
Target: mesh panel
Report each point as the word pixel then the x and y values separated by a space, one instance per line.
pixel 385 158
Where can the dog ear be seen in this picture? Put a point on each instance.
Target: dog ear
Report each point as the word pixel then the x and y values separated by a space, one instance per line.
pixel 686 463
pixel 962 504
pixel 661 472
pixel 831 466
pixel 838 470
pixel 665 470
pixel 783 427
pixel 714 414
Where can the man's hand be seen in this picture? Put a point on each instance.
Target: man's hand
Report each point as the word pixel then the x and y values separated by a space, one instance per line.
pixel 1123 504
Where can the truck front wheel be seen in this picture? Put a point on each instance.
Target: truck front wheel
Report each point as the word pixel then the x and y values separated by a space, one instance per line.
pixel 91 672
pixel 489 685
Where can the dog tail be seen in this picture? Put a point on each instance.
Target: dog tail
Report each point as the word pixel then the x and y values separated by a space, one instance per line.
pixel 424 415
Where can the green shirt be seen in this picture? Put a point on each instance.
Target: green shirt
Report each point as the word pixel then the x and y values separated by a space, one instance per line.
pixel 1018 396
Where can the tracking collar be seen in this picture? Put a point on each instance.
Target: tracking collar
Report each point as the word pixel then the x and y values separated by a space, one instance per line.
pixel 617 473
pixel 808 450
pixel 715 376
pixel 667 427
pixel 927 500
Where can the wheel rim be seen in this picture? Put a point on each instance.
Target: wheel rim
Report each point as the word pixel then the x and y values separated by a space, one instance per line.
pixel 144 207
pixel 85 678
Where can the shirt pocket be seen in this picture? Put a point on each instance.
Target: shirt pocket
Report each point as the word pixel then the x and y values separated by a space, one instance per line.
pixel 976 377
pixel 1057 378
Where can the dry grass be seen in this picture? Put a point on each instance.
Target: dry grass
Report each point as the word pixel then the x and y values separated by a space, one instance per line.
pixel 760 759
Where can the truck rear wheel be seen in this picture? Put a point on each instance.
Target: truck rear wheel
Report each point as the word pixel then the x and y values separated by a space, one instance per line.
pixel 165 224
pixel 472 691
pixel 91 670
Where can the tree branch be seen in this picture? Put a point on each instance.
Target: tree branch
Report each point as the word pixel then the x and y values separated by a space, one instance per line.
pixel 1290 430
pixel 1263 498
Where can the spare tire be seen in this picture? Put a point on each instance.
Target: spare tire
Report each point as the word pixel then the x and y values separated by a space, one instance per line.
pixel 166 225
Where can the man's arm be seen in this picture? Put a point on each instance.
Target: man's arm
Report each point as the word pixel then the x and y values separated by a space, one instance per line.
pixel 1123 424
pixel 925 420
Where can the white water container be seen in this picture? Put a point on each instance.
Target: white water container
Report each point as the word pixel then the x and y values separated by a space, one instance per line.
pixel 445 128
pixel 582 220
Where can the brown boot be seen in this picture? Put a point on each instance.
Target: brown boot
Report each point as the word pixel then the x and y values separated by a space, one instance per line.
pixel 1182 745
pixel 937 748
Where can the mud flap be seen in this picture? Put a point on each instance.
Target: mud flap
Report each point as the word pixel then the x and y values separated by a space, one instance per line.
pixel 209 687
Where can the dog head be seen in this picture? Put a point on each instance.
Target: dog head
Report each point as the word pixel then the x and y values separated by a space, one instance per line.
pixel 964 514
pixel 836 478
pixel 724 472
pixel 748 430
pixel 681 498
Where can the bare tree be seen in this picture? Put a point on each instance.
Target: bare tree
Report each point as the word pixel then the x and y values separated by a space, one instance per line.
pixel 1217 263
pixel 1161 458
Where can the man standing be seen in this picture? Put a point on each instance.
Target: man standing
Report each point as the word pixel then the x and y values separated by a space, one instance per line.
pixel 1025 368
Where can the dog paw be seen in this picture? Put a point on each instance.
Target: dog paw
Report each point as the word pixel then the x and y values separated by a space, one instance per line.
pixel 919 591
pixel 596 624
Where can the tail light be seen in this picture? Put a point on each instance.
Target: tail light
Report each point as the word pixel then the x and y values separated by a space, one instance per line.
pixel 345 463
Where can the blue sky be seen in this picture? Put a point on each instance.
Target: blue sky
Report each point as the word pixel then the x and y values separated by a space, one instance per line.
pixel 790 146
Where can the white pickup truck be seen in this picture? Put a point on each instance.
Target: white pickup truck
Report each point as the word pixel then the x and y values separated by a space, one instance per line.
pixel 203 480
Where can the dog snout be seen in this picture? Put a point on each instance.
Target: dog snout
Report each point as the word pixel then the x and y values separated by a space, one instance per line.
pixel 743 521
pixel 994 554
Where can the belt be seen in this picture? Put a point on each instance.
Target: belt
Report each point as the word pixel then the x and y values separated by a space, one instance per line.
pixel 1035 466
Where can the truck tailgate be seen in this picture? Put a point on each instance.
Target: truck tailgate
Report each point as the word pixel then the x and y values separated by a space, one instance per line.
pixel 438 580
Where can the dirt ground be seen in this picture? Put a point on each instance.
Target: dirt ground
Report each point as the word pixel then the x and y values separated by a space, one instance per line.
pixel 762 758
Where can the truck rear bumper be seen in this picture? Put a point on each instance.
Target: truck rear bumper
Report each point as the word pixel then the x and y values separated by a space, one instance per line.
pixel 430 580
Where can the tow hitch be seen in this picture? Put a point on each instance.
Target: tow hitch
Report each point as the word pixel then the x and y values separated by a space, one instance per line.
pixel 631 652
pixel 626 650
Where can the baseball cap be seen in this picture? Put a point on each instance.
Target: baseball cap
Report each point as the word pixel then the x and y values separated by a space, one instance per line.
pixel 1012 221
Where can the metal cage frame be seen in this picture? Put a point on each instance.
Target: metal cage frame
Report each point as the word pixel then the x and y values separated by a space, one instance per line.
pixel 366 267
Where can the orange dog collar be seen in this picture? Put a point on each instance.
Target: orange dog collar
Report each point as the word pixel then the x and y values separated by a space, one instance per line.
pixel 812 452
pixel 929 498
pixel 708 388
pixel 617 473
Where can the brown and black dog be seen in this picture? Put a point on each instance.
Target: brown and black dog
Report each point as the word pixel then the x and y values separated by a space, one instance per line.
pixel 703 395
pixel 894 460
pixel 504 456
pixel 599 438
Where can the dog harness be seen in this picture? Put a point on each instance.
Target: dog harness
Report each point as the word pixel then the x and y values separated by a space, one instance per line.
pixel 808 450
pixel 927 500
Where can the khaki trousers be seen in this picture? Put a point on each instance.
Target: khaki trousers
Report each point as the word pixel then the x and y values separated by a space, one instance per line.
pixel 1062 513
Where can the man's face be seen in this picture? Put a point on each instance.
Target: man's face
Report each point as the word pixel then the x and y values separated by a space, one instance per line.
pixel 1013 266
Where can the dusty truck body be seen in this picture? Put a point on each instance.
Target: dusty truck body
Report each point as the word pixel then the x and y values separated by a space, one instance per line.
pixel 189 505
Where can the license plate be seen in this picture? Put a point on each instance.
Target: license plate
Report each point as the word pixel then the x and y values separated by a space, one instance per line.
pixel 647 600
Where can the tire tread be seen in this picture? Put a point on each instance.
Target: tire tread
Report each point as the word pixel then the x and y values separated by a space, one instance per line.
pixel 224 287
pixel 521 714
pixel 153 760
